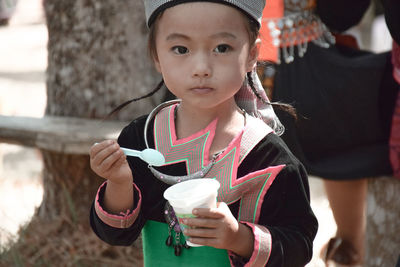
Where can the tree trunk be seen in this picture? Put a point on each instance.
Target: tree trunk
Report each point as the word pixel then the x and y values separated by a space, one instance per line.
pixel 383 224
pixel 97 59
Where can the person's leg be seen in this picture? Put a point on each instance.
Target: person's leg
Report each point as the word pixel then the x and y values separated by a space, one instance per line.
pixel 348 202
pixel 4 22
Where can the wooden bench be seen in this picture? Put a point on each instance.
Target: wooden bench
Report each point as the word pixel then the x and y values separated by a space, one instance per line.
pixel 67 135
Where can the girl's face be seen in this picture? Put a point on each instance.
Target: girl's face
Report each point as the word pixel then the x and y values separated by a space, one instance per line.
pixel 203 52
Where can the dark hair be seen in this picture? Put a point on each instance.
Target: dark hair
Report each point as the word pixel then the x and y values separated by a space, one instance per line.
pixel 282 106
pixel 115 110
pixel 253 31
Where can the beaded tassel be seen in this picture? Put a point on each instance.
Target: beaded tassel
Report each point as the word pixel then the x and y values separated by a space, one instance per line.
pixel 168 242
pixel 178 246
pixel 173 226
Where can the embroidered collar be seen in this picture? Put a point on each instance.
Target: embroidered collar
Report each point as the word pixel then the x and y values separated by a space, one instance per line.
pixel 194 151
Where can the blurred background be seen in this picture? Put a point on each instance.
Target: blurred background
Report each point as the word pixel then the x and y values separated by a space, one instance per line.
pixel 23 63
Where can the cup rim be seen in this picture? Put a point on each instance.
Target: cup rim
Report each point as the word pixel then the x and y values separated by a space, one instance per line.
pixel 168 197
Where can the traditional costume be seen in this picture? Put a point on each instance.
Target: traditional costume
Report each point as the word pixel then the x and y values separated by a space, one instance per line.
pixel 264 185
pixel 344 97
pixel 392 11
pixel 395 131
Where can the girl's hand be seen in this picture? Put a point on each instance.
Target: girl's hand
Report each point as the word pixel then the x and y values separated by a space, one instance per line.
pixel 217 227
pixel 109 161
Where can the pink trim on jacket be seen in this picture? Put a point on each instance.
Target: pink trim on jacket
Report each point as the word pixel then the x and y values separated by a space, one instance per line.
pixel 262 246
pixel 396 74
pixel 396 61
pixel 125 220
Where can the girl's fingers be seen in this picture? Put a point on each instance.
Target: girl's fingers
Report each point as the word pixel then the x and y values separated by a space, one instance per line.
pixel 96 148
pixel 120 161
pixel 112 159
pixel 201 222
pixel 105 152
pixel 107 155
pixel 201 232
pixel 214 213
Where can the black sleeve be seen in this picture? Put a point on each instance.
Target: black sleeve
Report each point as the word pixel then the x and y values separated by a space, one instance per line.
pixel 340 15
pixel 293 226
pixel 111 235
pixel 286 210
pixel 131 137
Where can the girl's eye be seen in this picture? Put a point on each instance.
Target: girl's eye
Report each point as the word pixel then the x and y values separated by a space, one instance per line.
pixel 180 50
pixel 223 48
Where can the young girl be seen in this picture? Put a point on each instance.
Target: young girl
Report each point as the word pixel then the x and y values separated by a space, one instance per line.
pixel 206 51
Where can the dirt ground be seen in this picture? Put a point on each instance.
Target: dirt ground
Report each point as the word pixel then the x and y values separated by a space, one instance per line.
pixel 22 93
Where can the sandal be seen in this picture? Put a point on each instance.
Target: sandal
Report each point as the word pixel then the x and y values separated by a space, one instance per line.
pixel 340 253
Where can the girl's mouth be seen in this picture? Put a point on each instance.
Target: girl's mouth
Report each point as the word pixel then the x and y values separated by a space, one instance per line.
pixel 202 89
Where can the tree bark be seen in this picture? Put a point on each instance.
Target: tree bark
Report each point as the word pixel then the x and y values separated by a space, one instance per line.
pixel 383 224
pixel 97 60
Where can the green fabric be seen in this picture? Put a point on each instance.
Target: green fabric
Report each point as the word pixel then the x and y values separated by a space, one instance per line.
pixel 157 253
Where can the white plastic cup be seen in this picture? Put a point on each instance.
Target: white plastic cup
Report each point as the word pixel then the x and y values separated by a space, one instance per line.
pixel 196 193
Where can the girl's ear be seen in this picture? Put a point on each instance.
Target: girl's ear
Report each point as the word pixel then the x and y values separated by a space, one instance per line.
pixel 157 64
pixel 253 55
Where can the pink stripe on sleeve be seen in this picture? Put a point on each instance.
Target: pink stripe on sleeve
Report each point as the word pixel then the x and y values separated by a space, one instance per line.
pixel 262 245
pixel 125 220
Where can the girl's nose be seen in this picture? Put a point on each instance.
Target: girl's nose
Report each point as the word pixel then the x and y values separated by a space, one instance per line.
pixel 202 66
